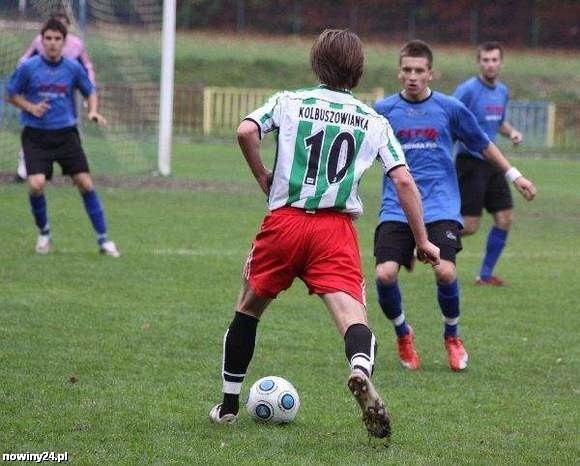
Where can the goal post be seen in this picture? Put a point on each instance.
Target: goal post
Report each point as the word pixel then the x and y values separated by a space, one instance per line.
pixel 166 91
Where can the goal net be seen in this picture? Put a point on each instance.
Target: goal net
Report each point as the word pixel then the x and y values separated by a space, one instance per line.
pixel 123 41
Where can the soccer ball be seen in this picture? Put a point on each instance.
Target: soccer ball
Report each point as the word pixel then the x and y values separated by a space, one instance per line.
pixel 273 399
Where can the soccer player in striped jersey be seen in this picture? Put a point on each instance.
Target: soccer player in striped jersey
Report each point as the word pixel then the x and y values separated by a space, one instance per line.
pixel 427 124
pixel 73 49
pixel 480 183
pixel 326 139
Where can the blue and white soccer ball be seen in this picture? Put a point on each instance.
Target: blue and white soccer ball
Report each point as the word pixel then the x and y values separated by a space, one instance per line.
pixel 273 399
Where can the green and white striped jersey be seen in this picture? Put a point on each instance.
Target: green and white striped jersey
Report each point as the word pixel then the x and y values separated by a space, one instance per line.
pixel 326 141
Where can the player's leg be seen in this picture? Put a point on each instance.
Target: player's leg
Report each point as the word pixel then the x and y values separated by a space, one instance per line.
pixel 448 298
pixel 499 202
pixel 39 169
pixel 394 247
pixel 21 173
pixel 74 163
pixel 349 315
pixel 446 236
pixel 471 224
pixel 333 271
pixel 268 270
pixel 238 349
pixel 95 212
pixel 37 199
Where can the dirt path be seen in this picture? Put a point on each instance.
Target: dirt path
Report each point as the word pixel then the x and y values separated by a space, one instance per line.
pixel 146 183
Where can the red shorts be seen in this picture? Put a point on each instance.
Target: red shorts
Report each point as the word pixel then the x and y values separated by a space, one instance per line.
pixel 319 248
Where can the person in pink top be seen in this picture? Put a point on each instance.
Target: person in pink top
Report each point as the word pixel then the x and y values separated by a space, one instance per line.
pixel 74 49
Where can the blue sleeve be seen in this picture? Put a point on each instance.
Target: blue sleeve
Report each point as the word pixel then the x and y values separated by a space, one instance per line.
pixel 18 81
pixel 83 82
pixel 464 93
pixel 461 93
pixel 466 128
pixel 383 107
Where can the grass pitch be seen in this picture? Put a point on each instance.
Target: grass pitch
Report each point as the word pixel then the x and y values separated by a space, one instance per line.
pixel 118 361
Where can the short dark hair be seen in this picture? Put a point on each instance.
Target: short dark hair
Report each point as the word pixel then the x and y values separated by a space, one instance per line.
pixel 54 24
pixel 417 49
pixel 488 47
pixel 337 58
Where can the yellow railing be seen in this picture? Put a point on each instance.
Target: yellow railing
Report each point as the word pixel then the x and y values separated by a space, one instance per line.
pixel 224 107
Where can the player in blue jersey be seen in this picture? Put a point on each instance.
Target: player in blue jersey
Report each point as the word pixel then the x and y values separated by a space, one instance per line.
pixel 43 88
pixel 74 48
pixel 427 124
pixel 480 183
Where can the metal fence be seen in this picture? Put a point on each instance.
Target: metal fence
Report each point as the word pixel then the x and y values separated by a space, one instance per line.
pixel 535 120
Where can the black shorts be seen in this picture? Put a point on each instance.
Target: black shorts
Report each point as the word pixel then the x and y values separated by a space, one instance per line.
pixel 394 241
pixel 481 185
pixel 43 147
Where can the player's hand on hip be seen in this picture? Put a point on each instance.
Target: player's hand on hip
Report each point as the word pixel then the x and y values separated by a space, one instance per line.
pixel 428 253
pixel 516 137
pixel 97 118
pixel 39 109
pixel 526 188
pixel 265 182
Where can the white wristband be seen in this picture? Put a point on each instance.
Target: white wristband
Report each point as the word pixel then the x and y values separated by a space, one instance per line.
pixel 513 174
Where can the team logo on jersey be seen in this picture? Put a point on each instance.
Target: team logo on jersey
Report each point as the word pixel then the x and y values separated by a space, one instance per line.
pixel 416 112
pixel 493 112
pixel 418 138
pixel 52 91
pixel 417 133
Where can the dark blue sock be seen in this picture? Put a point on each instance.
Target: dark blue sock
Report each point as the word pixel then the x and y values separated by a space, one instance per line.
pixel 95 211
pixel 391 304
pixel 38 208
pixel 448 297
pixel 496 240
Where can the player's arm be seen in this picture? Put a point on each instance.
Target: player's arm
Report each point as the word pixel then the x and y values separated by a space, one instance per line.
pixel 507 130
pixel 410 201
pixel 93 107
pixel 249 141
pixel 522 184
pixel 88 90
pixel 16 88
pixel 251 130
pixel 38 110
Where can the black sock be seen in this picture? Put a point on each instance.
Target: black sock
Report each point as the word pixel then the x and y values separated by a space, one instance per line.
pixel 239 342
pixel 360 348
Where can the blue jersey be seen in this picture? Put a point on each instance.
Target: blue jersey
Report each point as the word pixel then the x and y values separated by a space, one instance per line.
pixel 488 104
pixel 427 131
pixel 38 79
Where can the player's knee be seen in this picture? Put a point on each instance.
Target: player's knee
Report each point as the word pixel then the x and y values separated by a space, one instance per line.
pixel 504 222
pixel 469 228
pixel 36 186
pixel 83 182
pixel 445 275
pixel 386 274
